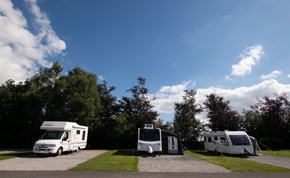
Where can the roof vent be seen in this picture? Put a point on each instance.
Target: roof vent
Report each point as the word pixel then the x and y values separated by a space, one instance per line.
pixel 148 126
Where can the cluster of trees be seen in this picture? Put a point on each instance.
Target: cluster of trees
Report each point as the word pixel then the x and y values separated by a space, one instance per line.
pixel 268 120
pixel 77 97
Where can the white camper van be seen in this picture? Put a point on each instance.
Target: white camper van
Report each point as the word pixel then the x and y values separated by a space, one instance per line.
pixel 149 139
pixel 60 137
pixel 231 142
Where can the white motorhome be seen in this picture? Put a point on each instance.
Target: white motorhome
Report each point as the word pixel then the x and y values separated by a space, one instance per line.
pixel 149 139
pixel 60 137
pixel 231 142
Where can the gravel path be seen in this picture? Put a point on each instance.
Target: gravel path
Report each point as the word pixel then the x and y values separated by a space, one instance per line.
pixel 49 162
pixel 272 160
pixel 177 163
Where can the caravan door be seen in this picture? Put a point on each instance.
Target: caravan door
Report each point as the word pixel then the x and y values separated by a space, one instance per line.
pixel 172 145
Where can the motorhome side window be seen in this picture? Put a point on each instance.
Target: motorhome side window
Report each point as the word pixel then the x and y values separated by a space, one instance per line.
pixel 215 138
pixel 149 134
pixel 84 135
pixel 78 132
pixel 209 139
pixel 239 140
pixel 204 139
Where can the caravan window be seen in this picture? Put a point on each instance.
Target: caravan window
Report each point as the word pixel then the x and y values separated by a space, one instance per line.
pixel 149 134
pixel 239 139
pixel 78 132
pixel 215 138
pixel 209 139
pixel 84 135
pixel 52 135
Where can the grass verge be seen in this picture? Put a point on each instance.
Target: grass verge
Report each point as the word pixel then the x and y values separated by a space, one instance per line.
pixel 10 155
pixel 277 153
pixel 235 164
pixel 113 160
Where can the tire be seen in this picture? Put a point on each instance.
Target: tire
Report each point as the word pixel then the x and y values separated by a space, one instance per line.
pixel 59 152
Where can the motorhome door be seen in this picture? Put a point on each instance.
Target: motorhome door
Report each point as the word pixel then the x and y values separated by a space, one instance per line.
pixel 65 141
pixel 172 145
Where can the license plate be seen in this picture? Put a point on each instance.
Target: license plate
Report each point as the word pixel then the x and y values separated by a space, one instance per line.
pixel 41 152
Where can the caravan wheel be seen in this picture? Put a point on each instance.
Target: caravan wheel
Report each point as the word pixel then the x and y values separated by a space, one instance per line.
pixel 59 151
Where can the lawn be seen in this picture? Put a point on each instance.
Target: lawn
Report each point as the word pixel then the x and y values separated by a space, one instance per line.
pixel 235 164
pixel 277 153
pixel 10 155
pixel 113 160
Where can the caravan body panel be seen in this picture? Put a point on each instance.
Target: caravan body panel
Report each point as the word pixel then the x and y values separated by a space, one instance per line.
pixel 149 137
pixel 231 142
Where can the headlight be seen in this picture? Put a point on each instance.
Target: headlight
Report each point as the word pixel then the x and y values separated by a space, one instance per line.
pixel 35 145
pixel 51 145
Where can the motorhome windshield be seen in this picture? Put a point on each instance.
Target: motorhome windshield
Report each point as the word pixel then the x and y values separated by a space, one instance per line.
pixel 52 135
pixel 239 140
pixel 149 134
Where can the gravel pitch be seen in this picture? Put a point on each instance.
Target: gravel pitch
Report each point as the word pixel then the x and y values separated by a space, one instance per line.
pixel 48 162
pixel 177 163
pixel 272 160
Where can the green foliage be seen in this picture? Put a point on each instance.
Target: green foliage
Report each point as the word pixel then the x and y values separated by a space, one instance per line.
pixel 275 115
pixel 166 127
pixel 253 124
pixel 186 126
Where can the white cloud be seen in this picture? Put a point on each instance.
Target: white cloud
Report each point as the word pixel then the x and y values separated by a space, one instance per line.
pixel 240 98
pixel 274 74
pixel 250 57
pixel 288 76
pixel 21 51
pixel 101 77
pixel 228 78
pixel 167 96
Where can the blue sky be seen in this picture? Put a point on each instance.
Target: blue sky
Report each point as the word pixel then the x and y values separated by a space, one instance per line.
pixel 237 49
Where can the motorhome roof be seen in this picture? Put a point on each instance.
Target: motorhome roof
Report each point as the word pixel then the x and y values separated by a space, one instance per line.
pixel 59 125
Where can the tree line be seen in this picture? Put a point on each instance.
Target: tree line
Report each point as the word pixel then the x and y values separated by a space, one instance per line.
pixel 50 95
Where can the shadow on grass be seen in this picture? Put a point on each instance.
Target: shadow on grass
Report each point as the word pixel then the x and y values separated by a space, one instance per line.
pixel 124 153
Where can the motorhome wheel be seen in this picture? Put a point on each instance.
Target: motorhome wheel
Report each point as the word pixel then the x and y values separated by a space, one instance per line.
pixel 59 151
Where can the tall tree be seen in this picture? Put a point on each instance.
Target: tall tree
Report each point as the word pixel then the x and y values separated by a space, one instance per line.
pixel 222 117
pixel 186 126
pixel 139 108
pixel 275 113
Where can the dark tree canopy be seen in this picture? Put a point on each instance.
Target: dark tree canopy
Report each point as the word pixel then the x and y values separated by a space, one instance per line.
pixel 139 108
pixel 222 117
pixel 275 114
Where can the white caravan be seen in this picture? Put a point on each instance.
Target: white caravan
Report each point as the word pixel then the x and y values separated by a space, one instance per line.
pixel 231 142
pixel 60 137
pixel 149 139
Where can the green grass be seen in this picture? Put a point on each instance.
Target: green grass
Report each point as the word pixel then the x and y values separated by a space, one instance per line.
pixel 277 153
pixel 10 155
pixel 113 160
pixel 235 164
